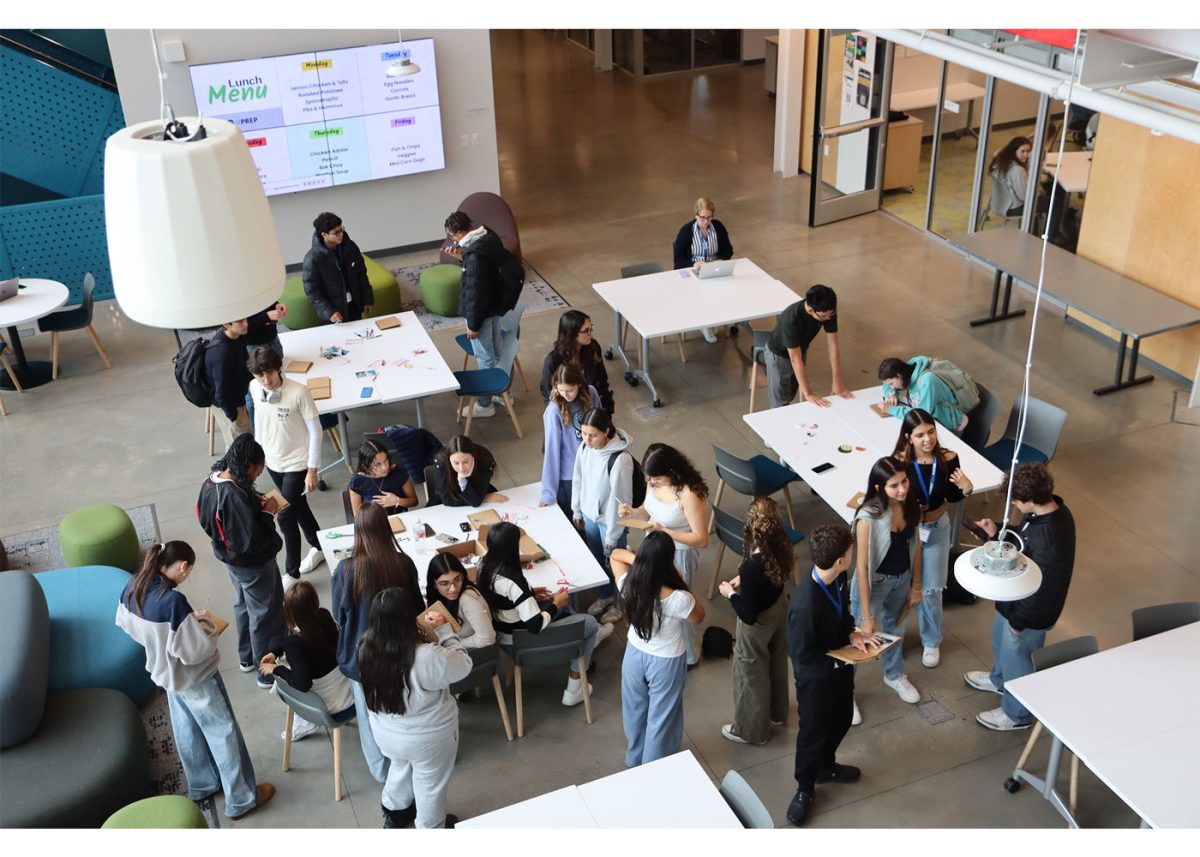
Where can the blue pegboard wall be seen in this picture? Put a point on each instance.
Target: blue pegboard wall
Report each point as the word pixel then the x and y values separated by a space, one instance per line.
pixel 60 240
pixel 94 183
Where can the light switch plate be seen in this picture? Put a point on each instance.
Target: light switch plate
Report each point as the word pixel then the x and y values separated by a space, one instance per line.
pixel 173 51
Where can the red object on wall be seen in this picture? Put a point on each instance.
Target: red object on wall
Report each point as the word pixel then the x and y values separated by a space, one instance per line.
pixel 1058 38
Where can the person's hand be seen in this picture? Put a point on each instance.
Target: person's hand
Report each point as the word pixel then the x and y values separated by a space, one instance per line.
pixel 278 312
pixel 624 510
pixel 816 400
pixel 578 522
pixel 560 598
pixel 655 527
pixel 736 581
pixel 434 619
pixel 541 593
pixel 914 597
pixel 867 626
pixel 387 498
pixel 960 479
pixel 542 504
pixel 269 504
pixel 336 318
pixel 696 266
pixel 367 309
pixel 310 480
pixel 988 526
pixel 206 616
pixel 839 390
pixel 891 400
pixel 726 589
pixel 863 642
pixel 472 334
pixel 267 665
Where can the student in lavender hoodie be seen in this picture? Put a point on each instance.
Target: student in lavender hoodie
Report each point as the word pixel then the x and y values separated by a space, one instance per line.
pixel 570 398
pixel 602 480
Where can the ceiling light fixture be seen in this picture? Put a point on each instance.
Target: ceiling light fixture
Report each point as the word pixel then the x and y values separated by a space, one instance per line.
pixel 403 65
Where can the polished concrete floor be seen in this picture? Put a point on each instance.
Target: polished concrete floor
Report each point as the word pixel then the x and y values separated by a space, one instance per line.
pixel 601 170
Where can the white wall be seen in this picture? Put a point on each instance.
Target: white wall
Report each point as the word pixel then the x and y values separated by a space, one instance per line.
pixel 753 46
pixel 386 213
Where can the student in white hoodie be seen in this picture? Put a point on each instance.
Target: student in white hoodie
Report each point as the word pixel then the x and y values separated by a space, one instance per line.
pixel 602 482
pixel 182 659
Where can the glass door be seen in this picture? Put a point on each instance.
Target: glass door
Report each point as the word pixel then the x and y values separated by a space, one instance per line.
pixel 852 91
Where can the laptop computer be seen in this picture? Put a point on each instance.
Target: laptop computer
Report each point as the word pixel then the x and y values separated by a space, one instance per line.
pixel 8 288
pixel 715 269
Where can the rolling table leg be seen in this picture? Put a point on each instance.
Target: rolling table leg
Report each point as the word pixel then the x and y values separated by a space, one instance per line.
pixel 345 438
pixel 1131 379
pixel 1048 788
pixel 644 373
pixel 616 348
pixel 1004 312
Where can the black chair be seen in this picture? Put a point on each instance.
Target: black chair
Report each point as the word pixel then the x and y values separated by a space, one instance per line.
pixel 755 477
pixel 552 646
pixel 431 479
pixel 486 666
pixel 730 533
pixel 980 419
pixel 346 507
pixel 79 318
pixel 1148 621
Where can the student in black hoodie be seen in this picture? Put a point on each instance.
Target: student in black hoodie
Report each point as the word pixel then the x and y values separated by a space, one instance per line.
pixel 335 273
pixel 463 475
pixel 240 522
pixel 225 363
pixel 479 296
pixel 1048 530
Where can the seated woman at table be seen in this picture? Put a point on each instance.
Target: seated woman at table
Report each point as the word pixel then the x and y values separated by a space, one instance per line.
pixel 311 652
pixel 377 480
pixel 375 565
pixel 462 475
pixel 1009 172
pixel 888 574
pixel 406 683
pixel 446 581
pixel 760 653
pixel 702 240
pixel 937 480
pixel 570 399
pixel 661 611
pixel 515 606
pixel 675 504
pixel 576 343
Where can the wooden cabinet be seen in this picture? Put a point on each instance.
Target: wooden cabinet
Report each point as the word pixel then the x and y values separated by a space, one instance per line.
pixel 903 157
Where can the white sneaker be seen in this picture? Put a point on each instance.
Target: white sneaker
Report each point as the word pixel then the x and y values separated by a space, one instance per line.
pixel 573 695
pixel 856 717
pixel 602 634
pixel 998 721
pixel 611 616
pixel 904 689
pixel 708 335
pixel 314 558
pixel 931 657
pixel 599 606
pixel 981 680
pixel 289 582
pixel 300 729
pixel 482 413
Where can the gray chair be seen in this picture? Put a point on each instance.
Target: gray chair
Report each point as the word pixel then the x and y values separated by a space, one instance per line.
pixel 79 318
pixel 731 534
pixel 758 354
pixel 1044 659
pixel 312 708
pixel 640 270
pixel 1148 621
pixel 1043 427
pixel 552 646
pixel 746 805
pixel 980 419
pixel 486 666
pixel 346 507
pixel 754 477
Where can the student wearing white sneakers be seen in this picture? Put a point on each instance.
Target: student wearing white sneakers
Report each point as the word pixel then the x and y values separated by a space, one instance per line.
pixel 888 569
pixel 288 427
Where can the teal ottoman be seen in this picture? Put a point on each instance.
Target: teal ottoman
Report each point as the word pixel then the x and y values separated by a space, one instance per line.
pixel 99 535
pixel 439 289
pixel 157 813
pixel 87 649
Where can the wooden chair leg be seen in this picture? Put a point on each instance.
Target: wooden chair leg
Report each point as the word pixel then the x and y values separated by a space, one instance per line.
pixel 212 433
pixel 787 495
pixel 712 586
pixel 520 704
pixel 503 706
pixel 336 439
pixel 1033 736
pixel 512 413
pixel 466 358
pixel 712 519
pixel 521 372
pixel 587 694
pixel 753 384
pixel 287 739
pixel 1074 794
pixel 337 764
pixel 208 425
pixel 54 355
pixel 470 415
pixel 3 410
pixel 99 348
pixel 682 355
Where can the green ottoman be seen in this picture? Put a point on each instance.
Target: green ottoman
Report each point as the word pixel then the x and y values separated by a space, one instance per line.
pixel 439 289
pixel 157 813
pixel 99 535
pixel 300 313
pixel 386 289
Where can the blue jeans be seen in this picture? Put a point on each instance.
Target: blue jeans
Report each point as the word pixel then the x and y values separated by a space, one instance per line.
pixel 651 705
pixel 211 747
pixel 1013 654
pixel 257 611
pixel 888 594
pixel 935 568
pixel 377 763
pixel 487 350
pixel 593 535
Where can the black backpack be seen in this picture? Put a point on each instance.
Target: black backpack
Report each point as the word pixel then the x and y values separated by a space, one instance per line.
pixel 716 642
pixel 639 478
pixel 511 279
pixel 191 374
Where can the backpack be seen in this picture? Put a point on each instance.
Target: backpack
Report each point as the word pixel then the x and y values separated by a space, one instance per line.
pixel 966 391
pixel 716 642
pixel 639 478
pixel 511 279
pixel 191 374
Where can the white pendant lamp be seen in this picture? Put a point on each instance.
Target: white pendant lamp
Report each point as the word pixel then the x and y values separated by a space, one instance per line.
pixel 191 239
pixel 998 571
pixel 403 65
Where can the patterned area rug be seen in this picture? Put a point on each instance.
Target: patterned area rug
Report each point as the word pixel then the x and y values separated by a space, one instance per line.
pixel 166 771
pixel 538 295
pixel 39 550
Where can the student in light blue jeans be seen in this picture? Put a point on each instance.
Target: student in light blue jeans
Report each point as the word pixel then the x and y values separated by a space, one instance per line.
pixel 219 761
pixel 487 350
pixel 1013 652
pixel 888 594
pixel 935 564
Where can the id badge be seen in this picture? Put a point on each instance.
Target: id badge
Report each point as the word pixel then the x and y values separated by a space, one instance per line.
pixel 924 531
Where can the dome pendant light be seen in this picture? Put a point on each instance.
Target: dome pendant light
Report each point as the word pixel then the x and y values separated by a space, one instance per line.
pixel 403 65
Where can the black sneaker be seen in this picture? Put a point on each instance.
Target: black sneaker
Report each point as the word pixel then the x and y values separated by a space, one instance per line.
pixel 840 774
pixel 398 818
pixel 797 810
pixel 451 820
pixel 246 667
pixel 266 682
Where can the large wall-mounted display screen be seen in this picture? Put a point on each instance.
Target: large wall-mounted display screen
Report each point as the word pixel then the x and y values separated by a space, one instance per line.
pixel 327 118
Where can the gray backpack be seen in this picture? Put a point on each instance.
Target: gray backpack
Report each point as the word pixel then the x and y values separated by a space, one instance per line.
pixel 966 391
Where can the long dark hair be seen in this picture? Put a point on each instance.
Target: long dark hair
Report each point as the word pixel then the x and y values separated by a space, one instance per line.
pixel 565 345
pixel 378 564
pixel 243 454
pixel 485 463
pixel 764 532
pixel 367 452
pixel 1007 156
pixel 904 446
pixel 157 559
pixel 503 559
pixel 876 501
pixel 445 563
pixel 663 460
pixel 653 568
pixel 387 650
pixel 303 611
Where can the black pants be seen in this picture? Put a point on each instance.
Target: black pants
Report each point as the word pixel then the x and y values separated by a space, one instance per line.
pixel 826 706
pixel 296 517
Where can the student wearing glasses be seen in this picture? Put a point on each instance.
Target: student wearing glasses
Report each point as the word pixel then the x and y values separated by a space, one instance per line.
pixel 703 239
pixel 576 343
pixel 335 273
pixel 446 581
pixel 787 349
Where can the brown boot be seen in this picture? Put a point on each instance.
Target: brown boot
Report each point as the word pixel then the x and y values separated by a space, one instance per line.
pixel 266 791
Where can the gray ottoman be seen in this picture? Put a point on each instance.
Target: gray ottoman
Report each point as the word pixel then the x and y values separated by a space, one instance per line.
pixel 24 656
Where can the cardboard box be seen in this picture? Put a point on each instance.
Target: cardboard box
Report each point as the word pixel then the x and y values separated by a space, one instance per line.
pixel 388 322
pixel 395 523
pixel 479 520
pixel 320 387
pixel 529 549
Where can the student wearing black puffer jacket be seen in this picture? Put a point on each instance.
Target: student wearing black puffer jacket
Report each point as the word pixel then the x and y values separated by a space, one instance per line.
pixel 479 295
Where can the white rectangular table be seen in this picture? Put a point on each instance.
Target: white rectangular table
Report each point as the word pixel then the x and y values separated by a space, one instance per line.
pixel 668 793
pixel 1072 174
pixel 569 558
pixel 1132 715
pixel 672 302
pixel 407 365
pixel 805 436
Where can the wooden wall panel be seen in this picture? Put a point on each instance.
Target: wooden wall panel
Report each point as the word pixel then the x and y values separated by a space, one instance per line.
pixel 810 99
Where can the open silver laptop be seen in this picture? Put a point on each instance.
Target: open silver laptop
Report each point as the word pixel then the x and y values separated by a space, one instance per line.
pixel 8 288
pixel 715 269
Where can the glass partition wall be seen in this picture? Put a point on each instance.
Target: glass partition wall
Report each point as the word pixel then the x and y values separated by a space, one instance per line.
pixel 647 52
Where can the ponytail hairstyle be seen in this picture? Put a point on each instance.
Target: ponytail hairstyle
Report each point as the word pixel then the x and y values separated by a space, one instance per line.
pixel 653 569
pixel 303 611
pixel 663 460
pixel 157 560
pixel 243 454
pixel 764 533
pixel 387 651
pixel 598 418
pixel 503 559
pixel 485 463
pixel 571 374
pixel 875 503
pixel 378 563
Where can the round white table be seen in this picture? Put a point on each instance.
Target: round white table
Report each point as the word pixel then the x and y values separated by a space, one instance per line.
pixel 35 298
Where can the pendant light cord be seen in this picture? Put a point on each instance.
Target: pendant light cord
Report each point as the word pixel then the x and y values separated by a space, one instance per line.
pixel 162 93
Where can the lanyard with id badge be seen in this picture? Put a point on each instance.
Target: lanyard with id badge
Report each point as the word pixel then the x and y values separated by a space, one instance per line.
pixel 924 531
